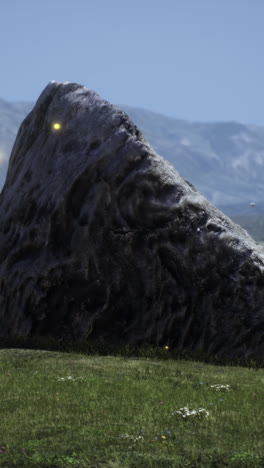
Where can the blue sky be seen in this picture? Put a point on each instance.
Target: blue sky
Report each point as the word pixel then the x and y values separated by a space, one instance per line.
pixel 190 59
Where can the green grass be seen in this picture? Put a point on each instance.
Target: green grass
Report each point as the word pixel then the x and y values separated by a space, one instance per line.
pixel 129 392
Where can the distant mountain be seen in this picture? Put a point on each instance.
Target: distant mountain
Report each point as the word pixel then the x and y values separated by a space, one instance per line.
pixel 225 161
pixel 253 224
pixel 11 116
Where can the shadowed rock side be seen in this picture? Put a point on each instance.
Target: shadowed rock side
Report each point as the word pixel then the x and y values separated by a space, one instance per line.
pixel 101 237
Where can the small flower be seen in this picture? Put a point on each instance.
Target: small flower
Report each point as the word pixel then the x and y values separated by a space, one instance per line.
pixel 124 436
pixel 71 378
pixel 185 412
pixel 220 388
pixel 135 439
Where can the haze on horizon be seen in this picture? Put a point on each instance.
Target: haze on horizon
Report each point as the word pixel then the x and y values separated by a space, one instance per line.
pixel 188 59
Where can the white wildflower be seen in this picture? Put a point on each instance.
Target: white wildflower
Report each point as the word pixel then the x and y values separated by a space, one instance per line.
pixel 221 388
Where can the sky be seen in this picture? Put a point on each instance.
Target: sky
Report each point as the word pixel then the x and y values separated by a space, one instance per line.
pixel 199 60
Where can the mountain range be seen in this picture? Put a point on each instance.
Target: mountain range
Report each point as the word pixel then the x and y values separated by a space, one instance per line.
pixel 223 160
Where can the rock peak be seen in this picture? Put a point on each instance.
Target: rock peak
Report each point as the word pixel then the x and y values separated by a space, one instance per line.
pixel 101 237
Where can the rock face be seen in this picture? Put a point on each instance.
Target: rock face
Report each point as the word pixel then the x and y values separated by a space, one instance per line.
pixel 101 237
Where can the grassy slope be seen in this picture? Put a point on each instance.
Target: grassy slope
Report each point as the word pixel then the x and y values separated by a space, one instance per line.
pixel 80 423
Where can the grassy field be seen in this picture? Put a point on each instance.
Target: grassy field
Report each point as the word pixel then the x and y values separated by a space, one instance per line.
pixel 124 408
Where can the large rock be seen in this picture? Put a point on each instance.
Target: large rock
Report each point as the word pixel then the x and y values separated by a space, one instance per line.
pixel 100 237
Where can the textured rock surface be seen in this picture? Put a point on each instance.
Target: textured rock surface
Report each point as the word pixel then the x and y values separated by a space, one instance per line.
pixel 102 237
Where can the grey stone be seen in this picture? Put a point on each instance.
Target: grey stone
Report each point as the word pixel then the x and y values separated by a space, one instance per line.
pixel 102 238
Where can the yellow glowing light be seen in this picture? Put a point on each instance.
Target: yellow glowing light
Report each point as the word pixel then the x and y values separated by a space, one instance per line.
pixel 57 126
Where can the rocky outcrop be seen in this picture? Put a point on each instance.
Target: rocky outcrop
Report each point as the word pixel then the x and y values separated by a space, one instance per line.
pixel 101 237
